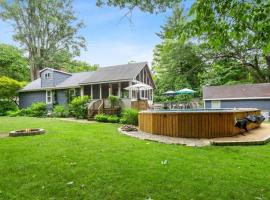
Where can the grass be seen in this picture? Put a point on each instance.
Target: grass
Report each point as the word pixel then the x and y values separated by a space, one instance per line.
pixel 99 163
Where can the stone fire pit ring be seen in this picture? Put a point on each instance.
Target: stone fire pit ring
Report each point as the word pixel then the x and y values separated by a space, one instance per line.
pixel 27 132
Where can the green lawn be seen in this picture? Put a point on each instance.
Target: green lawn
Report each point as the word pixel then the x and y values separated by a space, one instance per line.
pixel 103 164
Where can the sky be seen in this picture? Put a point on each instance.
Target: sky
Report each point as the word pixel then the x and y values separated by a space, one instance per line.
pixel 111 38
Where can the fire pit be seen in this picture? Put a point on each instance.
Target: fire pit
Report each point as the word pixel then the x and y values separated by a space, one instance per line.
pixel 26 132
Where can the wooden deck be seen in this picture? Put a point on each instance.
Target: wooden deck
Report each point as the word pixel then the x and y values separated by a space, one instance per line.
pixel 192 124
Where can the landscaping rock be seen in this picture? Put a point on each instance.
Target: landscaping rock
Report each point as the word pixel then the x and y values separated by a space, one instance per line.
pixel 129 128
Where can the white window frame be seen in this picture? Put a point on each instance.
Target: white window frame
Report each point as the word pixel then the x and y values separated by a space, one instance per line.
pixel 49 96
pixel 215 104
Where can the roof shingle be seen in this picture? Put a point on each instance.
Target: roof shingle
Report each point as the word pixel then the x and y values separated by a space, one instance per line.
pixel 237 91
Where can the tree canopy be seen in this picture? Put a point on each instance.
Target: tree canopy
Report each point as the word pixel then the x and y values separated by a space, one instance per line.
pixel 43 28
pixel 9 88
pixel 152 6
pixel 13 64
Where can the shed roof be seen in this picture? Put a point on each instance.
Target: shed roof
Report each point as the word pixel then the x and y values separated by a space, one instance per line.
pixel 243 91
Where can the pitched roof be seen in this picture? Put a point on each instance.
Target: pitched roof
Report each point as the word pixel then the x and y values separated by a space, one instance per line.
pixel 34 85
pixel 115 73
pixel 244 91
pixel 103 74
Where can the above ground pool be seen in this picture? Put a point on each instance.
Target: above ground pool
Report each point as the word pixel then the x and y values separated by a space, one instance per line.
pixel 199 123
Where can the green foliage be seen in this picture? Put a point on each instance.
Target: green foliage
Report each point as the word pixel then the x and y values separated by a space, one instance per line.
pixel 130 116
pixel 78 106
pixel 74 66
pixel 13 64
pixel 234 31
pixel 106 118
pixel 114 100
pixel 38 109
pixel 44 28
pixel 123 121
pixel 9 88
pixel 113 119
pixel 176 66
pixel 153 6
pixel 60 111
pixel 101 118
pixel 6 106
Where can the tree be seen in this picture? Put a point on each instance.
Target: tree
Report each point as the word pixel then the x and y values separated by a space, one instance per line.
pixel 79 66
pixel 177 66
pixel 235 30
pixel 43 27
pixel 9 88
pixel 13 64
pixel 152 6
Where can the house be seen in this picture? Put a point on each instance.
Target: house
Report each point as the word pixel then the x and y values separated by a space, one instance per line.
pixel 238 96
pixel 56 87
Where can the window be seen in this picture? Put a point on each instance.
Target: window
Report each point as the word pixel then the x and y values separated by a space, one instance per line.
pixel 48 75
pixel 215 104
pixel 72 92
pixel 48 96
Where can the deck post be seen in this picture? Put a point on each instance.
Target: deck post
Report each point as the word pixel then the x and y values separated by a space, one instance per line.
pixel 130 92
pixel 92 97
pixel 82 90
pixel 119 89
pixel 110 89
pixel 100 91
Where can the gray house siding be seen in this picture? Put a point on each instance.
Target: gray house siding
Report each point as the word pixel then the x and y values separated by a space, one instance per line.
pixel 56 78
pixel 26 99
pixel 59 77
pixel 47 82
pixel 61 96
pixel 263 104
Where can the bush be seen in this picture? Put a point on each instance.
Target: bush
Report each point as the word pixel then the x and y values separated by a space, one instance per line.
pixel 113 119
pixel 38 109
pixel 123 121
pixel 101 118
pixel 60 111
pixel 7 106
pixel 22 112
pixel 130 116
pixel 78 107
pixel 114 100
pixel 107 118
pixel 13 113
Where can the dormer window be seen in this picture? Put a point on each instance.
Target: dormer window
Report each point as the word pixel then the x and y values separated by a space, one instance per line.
pixel 48 75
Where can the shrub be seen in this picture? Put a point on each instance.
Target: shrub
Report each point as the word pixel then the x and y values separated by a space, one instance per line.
pixel 13 113
pixel 60 111
pixel 130 116
pixel 123 121
pixel 7 106
pixel 38 109
pixel 22 112
pixel 78 107
pixel 113 119
pixel 101 118
pixel 114 100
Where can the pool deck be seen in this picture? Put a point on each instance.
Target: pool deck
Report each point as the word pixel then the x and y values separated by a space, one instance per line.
pixel 256 136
